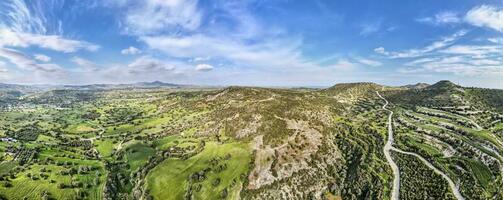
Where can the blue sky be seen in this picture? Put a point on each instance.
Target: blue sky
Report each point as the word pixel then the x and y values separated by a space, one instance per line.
pixel 252 42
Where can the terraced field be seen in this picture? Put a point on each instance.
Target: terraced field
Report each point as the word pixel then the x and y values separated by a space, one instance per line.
pixel 456 144
pixel 459 141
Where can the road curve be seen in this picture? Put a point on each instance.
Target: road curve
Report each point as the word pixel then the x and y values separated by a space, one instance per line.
pixel 395 190
pixel 454 187
pixel 389 146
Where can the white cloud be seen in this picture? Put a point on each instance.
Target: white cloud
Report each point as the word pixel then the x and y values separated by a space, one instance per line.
pixel 156 16
pixel 278 53
pixel 84 64
pixel 476 50
pixel 147 64
pixel 344 65
pixel 42 57
pixel 370 28
pixel 10 38
pixel 22 17
pixel 199 59
pixel 496 40
pixel 381 50
pixel 486 16
pixel 465 65
pixel 184 34
pixel 446 17
pixel 26 63
pixel 411 53
pixel 204 67
pixel 368 62
pixel 130 51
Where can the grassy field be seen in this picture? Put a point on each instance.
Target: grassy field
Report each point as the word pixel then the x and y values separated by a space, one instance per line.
pixel 105 147
pixel 25 187
pixel 169 180
pixel 137 154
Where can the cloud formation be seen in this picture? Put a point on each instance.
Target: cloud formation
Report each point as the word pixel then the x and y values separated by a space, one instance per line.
pixel 130 51
pixel 155 16
pixel 204 67
pixel 445 17
pixel 42 57
pixel 85 65
pixel 486 16
pixel 26 63
pixel 368 62
pixel 9 38
pixel 418 52
pixel 147 64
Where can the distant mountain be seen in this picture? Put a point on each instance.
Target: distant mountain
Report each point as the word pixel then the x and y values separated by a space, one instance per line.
pixel 24 88
pixel 360 86
pixel 416 86
pixel 154 84
pixel 39 88
pixel 443 85
pixel 447 93
pixel 157 84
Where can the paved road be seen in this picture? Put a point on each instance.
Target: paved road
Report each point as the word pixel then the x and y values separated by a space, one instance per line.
pixel 395 191
pixel 452 185
pixel 396 171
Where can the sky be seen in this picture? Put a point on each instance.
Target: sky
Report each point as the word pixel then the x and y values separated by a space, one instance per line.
pixel 252 42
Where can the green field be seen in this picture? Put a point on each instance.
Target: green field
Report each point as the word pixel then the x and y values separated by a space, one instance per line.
pixel 169 180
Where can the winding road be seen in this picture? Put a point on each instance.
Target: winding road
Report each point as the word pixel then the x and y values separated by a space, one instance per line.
pixel 395 190
pixel 395 193
pixel 452 185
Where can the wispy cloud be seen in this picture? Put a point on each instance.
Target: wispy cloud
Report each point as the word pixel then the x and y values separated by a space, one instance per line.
pixel 466 60
pixel 25 24
pixel 449 56
pixel 481 16
pixel 130 51
pixel 474 50
pixel 368 62
pixel 84 64
pixel 486 16
pixel 418 52
pixel 42 57
pixel 445 17
pixel 498 40
pixel 233 36
pixel 344 65
pixel 26 63
pixel 460 65
pixel 154 16
pixel 19 16
pixel 147 64
pixel 10 38
pixel 204 67
pixel 370 28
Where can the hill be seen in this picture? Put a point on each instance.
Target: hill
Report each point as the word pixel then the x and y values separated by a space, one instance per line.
pixel 416 86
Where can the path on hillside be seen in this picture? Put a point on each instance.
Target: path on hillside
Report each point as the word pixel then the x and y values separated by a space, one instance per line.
pixel 389 146
pixel 395 190
pixel 102 130
pixel 452 185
